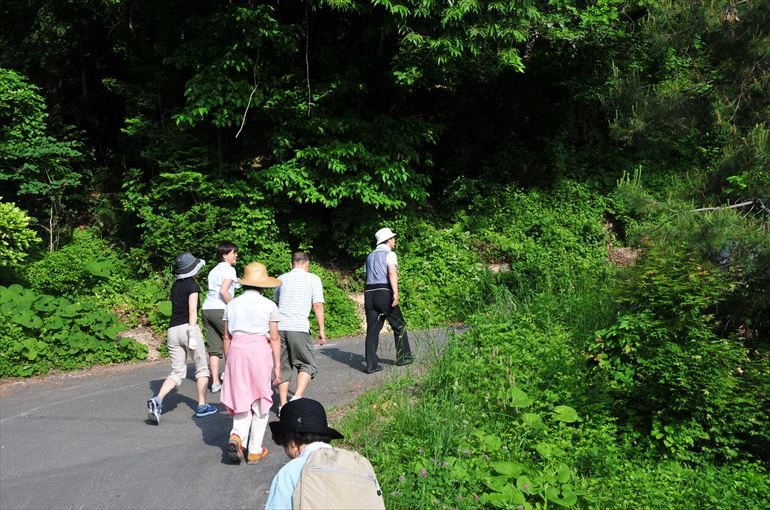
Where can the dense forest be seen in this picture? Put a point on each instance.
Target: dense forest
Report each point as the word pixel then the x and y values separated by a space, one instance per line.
pixel 585 184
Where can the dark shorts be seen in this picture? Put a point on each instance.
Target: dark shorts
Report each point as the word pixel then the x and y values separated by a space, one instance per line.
pixel 297 353
pixel 215 331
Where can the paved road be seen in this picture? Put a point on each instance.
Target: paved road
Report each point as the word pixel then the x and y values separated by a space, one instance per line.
pixel 82 441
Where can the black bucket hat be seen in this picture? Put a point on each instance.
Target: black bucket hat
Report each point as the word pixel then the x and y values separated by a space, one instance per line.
pixel 186 265
pixel 304 415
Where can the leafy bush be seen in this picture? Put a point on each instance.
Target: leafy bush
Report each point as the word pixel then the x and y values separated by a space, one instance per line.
pixel 547 238
pixel 80 267
pixel 441 279
pixel 45 332
pixel 15 235
pixel 695 316
pixel 186 211
pixel 340 317
pixel 676 379
pixel 510 417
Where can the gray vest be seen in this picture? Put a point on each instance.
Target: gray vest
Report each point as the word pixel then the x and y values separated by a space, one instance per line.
pixel 377 268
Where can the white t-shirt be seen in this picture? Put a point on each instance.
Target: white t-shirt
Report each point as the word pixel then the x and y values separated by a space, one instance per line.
pixel 221 272
pixel 250 313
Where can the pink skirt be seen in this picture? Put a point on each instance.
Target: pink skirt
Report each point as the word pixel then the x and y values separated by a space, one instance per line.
pixel 248 370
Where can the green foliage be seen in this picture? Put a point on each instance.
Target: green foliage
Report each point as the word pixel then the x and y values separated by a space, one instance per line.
pixel 694 86
pixel 42 168
pixel 46 332
pixel 186 211
pixel 340 317
pixel 231 76
pixel 682 384
pixel 668 484
pixel 379 163
pixel 15 235
pixel 441 279
pixel 510 416
pixel 546 239
pixel 85 265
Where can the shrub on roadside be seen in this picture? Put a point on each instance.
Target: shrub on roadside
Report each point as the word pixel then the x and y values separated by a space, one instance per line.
pixel 16 237
pixel 340 317
pixel 441 279
pixel 679 383
pixel 546 238
pixel 45 332
pixel 85 264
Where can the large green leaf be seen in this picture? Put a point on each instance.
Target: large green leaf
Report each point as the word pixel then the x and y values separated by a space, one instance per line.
pixel 532 421
pixel 565 414
pixel 164 307
pixel 46 303
pixel 27 319
pixel 100 268
pixel 518 398
pixel 54 322
pixel 509 469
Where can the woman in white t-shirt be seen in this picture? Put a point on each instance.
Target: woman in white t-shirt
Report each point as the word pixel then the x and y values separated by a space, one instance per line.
pixel 222 284
pixel 253 351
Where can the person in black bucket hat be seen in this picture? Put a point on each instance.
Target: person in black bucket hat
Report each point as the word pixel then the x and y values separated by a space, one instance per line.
pixel 302 416
pixel 318 476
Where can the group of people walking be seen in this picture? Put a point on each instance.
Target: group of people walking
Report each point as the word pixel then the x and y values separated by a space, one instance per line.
pixel 267 343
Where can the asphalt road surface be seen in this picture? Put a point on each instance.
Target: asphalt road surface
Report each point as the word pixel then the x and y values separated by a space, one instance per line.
pixel 82 440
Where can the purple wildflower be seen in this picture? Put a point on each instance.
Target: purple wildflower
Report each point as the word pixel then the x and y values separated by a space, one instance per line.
pixel 486 457
pixel 401 478
pixel 476 497
pixel 445 463
pixel 420 451
pixel 505 447
pixel 525 487
pixel 466 451
pixel 424 472
pixel 520 507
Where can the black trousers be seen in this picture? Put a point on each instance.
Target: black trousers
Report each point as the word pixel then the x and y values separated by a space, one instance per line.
pixel 377 306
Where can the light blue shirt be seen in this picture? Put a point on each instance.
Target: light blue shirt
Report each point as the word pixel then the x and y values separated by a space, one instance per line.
pixel 285 481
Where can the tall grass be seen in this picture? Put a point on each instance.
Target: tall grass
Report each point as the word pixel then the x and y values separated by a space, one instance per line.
pixel 451 437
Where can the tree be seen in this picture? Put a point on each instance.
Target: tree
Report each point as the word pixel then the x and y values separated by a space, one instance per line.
pixel 39 168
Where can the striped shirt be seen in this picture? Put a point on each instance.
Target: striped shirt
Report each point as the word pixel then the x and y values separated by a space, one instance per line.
pixel 299 291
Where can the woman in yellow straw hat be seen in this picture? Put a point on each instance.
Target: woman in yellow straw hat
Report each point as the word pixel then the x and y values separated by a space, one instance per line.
pixel 252 350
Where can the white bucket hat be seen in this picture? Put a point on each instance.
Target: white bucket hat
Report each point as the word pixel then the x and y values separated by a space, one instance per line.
pixel 383 235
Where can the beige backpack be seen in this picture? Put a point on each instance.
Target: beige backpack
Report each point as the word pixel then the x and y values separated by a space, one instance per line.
pixel 339 479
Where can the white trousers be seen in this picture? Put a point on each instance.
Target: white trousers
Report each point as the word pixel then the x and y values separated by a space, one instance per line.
pixel 251 424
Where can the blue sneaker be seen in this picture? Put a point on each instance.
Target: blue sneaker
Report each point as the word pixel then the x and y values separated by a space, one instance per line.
pixel 205 410
pixel 154 409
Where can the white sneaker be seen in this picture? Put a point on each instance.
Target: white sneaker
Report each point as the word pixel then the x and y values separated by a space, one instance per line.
pixel 292 399
pixel 215 388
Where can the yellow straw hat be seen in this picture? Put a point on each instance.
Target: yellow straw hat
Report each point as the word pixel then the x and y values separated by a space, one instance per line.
pixel 255 275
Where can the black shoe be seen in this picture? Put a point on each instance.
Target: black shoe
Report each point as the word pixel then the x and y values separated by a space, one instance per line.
pixel 378 368
pixel 406 360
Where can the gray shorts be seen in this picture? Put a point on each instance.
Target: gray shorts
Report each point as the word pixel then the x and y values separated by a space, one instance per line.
pixel 215 331
pixel 297 352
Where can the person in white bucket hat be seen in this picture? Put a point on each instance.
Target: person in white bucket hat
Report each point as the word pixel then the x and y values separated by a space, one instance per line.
pixel 381 301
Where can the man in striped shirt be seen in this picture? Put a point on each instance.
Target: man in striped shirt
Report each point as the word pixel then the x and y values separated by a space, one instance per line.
pixel 301 290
